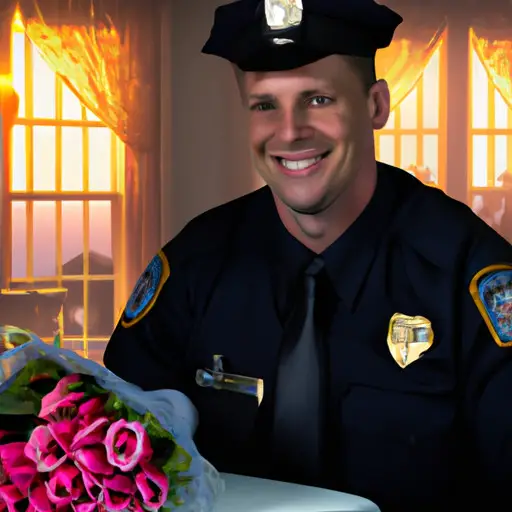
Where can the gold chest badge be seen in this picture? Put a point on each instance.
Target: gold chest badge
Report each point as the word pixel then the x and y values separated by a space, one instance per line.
pixel 409 337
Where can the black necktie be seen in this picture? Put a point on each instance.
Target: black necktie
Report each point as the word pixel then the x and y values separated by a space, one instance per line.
pixel 299 404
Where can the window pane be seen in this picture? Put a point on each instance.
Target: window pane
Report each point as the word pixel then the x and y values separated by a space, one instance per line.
pixel 18 65
pixel 44 158
pixel 71 106
pixel 91 117
pixel 72 159
pixel 501 158
pixel 479 161
pixel 45 239
pixel 101 308
pixel 19 159
pixel 431 154
pixel 409 151
pixel 43 87
pixel 100 238
pixel 409 111
pixel 431 83
pixel 480 104
pixel 19 239
pixel 501 111
pixel 74 308
pixel 391 121
pixel 72 237
pixel 100 159
pixel 387 149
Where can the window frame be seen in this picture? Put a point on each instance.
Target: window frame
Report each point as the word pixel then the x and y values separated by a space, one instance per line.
pixel 115 197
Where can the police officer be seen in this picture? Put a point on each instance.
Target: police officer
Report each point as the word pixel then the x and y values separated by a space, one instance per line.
pixel 367 315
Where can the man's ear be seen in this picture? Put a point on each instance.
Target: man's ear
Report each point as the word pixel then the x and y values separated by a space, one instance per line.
pixel 379 103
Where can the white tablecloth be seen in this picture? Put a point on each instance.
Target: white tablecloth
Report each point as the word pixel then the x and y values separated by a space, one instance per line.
pixel 246 494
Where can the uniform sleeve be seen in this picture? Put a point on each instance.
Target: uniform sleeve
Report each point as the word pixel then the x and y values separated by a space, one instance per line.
pixel 487 367
pixel 148 346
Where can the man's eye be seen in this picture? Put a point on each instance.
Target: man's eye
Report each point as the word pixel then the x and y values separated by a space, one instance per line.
pixel 320 101
pixel 262 107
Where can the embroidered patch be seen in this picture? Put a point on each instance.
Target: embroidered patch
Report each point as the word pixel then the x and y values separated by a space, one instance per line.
pixel 491 289
pixel 146 290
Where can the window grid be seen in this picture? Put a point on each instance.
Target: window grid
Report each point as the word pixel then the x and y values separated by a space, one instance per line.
pixel 490 132
pixel 57 196
pixel 395 129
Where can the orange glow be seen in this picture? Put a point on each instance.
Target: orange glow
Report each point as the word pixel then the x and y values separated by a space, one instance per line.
pixel 17 22
pixel 419 113
pixel 43 104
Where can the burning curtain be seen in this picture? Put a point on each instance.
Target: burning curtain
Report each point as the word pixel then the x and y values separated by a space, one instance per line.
pixel 402 64
pixel 496 57
pixel 107 52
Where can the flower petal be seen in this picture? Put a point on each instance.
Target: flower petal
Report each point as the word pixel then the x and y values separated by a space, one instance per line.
pixel 63 432
pixel 43 450
pixel 91 435
pixel 127 445
pixel 17 467
pixel 38 498
pixel 65 485
pixel 118 492
pixel 94 459
pixel 153 486
pixel 93 407
pixel 88 506
pixel 60 396
pixel 10 495
pixel 92 485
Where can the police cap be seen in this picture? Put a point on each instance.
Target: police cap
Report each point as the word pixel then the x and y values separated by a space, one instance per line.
pixel 279 35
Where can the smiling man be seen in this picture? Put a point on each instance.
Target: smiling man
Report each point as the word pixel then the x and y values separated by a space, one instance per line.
pixel 363 318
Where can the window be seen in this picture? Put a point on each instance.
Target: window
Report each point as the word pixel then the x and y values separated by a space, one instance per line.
pixel 491 130
pixel 415 134
pixel 65 184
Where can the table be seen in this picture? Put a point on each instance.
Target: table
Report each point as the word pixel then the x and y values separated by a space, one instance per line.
pixel 247 494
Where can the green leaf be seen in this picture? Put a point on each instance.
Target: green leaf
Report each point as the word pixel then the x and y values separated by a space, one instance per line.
pixel 21 397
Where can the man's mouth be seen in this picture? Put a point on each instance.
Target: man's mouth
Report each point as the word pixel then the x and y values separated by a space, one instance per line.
pixel 301 165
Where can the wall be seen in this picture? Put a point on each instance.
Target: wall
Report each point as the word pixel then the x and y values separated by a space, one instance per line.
pixel 204 152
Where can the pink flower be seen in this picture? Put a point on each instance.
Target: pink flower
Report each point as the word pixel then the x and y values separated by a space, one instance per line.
pixel 127 444
pixel 9 497
pixel 118 491
pixel 85 507
pixel 17 467
pixel 65 485
pixel 43 449
pixel 94 460
pixel 153 486
pixel 61 397
pixel 38 497
pixel 92 485
pixel 91 410
pixel 91 435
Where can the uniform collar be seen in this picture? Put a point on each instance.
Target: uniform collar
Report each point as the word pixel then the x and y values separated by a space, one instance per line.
pixel 348 260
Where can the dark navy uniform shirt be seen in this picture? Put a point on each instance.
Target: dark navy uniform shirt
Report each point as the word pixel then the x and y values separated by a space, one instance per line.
pixel 435 435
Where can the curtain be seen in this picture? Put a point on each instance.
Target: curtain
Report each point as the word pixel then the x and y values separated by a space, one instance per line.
pixel 403 62
pixel 496 57
pixel 107 52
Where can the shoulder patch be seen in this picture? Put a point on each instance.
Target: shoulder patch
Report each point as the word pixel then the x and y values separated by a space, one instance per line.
pixel 491 289
pixel 146 290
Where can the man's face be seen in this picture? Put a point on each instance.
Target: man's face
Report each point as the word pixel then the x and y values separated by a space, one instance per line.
pixel 311 129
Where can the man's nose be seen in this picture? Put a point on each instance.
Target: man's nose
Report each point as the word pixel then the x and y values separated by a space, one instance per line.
pixel 293 125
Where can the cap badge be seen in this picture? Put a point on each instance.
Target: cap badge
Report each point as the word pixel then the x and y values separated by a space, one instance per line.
pixel 283 14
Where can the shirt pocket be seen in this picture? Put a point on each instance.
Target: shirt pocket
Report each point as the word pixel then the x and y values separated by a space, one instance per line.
pixel 226 426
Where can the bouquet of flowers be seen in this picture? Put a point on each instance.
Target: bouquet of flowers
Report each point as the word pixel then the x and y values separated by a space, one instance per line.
pixel 74 437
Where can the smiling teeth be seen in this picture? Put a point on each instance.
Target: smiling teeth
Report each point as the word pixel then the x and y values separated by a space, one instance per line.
pixel 299 165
